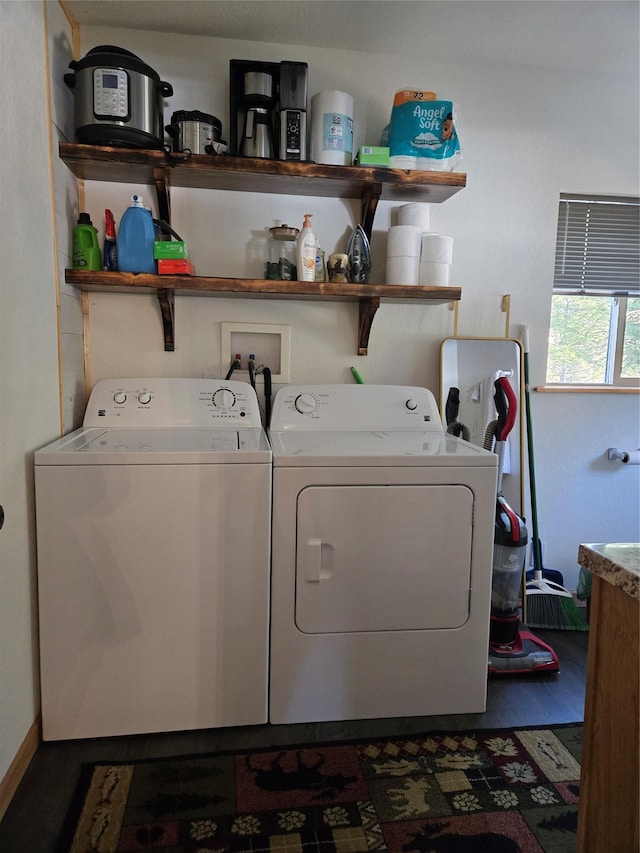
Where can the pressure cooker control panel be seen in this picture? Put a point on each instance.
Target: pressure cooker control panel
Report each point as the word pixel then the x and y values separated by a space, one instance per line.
pixel 111 93
pixel 172 403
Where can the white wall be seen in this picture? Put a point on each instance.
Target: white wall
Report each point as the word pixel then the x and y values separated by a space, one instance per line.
pixel 66 214
pixel 526 135
pixel 29 402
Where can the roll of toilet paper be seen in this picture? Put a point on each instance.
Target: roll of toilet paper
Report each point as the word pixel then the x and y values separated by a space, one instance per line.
pixel 632 457
pixel 332 128
pixel 402 162
pixel 437 248
pixel 436 275
pixel 403 270
pixel 404 241
pixel 416 214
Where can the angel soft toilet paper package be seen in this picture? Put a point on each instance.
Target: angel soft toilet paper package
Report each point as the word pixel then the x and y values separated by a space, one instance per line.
pixel 421 133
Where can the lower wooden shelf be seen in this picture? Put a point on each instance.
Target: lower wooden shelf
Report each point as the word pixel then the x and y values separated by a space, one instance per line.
pixel 367 295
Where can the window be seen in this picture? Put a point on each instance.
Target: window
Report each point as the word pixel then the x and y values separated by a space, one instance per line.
pixel 594 336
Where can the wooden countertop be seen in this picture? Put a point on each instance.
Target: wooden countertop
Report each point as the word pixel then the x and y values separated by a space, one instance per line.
pixel 618 563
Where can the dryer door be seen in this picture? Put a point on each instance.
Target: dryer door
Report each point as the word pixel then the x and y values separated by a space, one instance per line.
pixel 383 558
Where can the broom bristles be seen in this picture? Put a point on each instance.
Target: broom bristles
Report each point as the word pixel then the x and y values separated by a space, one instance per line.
pixel 558 612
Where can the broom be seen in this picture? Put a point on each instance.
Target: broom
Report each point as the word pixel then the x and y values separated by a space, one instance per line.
pixel 549 605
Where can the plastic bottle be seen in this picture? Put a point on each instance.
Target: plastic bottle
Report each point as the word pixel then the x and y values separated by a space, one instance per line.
pixel 86 250
pixel 306 251
pixel 109 254
pixel 321 267
pixel 136 237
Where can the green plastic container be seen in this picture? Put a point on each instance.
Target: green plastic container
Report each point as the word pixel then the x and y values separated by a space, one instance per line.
pixel 86 250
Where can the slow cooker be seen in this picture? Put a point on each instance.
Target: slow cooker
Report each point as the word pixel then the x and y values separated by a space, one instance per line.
pixel 118 99
pixel 195 131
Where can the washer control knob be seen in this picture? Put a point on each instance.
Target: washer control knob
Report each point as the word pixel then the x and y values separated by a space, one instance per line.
pixel 411 405
pixel 119 397
pixel 144 398
pixel 305 403
pixel 224 399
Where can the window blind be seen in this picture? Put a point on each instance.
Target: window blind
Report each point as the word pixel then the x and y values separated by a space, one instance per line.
pixel 598 246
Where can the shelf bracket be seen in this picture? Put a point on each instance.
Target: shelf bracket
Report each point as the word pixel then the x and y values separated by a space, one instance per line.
pixel 161 181
pixel 166 300
pixel 366 312
pixel 370 199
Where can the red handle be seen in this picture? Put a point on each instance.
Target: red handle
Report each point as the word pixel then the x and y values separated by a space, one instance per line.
pixel 512 408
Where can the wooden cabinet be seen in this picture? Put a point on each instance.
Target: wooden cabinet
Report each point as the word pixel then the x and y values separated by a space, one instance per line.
pixel 369 184
pixel 609 809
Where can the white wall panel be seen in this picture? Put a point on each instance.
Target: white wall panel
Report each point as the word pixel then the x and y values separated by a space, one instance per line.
pixel 28 358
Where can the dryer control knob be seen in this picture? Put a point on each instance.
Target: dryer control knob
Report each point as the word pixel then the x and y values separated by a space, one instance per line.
pixel 224 399
pixel 144 398
pixel 119 397
pixel 305 403
pixel 411 405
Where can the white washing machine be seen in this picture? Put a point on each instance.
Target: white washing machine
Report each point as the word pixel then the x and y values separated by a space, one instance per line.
pixel 153 533
pixel 382 543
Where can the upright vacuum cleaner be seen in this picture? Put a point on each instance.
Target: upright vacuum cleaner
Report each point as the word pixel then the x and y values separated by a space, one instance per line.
pixel 513 649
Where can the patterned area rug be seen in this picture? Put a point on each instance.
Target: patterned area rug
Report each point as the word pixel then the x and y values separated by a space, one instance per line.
pixel 500 791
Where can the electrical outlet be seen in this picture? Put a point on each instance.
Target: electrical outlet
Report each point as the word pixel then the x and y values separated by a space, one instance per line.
pixel 269 343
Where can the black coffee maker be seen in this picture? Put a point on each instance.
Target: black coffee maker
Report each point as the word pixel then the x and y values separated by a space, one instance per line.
pixel 293 110
pixel 267 103
pixel 252 99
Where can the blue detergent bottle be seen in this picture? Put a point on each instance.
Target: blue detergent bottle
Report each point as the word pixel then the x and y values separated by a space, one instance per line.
pixel 136 237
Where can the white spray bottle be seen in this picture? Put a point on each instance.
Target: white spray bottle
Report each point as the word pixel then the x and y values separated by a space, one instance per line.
pixel 306 251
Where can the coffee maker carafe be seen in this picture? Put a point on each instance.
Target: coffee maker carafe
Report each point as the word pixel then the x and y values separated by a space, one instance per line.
pixel 259 100
pixel 257 138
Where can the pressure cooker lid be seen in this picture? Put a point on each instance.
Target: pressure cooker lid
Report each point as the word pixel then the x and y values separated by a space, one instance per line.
pixel 110 55
pixel 196 115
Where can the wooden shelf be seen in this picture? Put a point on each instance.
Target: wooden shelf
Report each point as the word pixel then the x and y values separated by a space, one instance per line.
pixel 127 165
pixel 368 296
pixel 242 174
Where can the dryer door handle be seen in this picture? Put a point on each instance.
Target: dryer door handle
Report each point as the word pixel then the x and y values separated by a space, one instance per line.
pixel 313 560
pixel 314 571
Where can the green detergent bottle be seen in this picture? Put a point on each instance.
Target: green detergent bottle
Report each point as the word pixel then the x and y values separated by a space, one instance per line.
pixel 86 251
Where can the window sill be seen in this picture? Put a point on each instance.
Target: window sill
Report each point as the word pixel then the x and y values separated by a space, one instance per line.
pixel 588 389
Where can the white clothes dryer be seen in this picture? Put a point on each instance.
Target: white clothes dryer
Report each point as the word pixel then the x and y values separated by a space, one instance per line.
pixel 382 543
pixel 153 533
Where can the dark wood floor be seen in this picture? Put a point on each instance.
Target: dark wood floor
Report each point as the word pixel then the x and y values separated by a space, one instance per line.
pixel 34 818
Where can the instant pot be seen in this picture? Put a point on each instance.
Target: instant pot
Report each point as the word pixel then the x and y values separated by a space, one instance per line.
pixel 118 99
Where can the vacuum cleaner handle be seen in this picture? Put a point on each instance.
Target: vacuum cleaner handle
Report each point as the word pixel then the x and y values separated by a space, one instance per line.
pixel 506 406
pixel 452 406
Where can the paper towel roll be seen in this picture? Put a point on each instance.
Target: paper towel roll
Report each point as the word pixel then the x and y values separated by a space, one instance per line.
pixel 632 457
pixel 437 248
pixel 404 241
pixel 332 128
pixel 403 270
pixel 417 214
pixel 436 275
